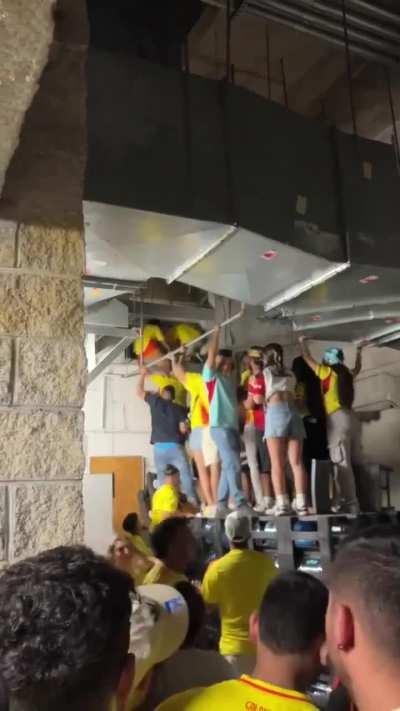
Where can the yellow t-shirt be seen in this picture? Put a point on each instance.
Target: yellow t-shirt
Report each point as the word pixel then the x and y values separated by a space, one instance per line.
pixel 165 501
pixel 240 694
pixel 183 333
pixel 330 388
pixel 152 334
pixel 140 544
pixel 163 380
pixel 161 575
pixel 250 573
pixel 199 403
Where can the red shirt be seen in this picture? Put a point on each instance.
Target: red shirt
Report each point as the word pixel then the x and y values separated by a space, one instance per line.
pixel 256 416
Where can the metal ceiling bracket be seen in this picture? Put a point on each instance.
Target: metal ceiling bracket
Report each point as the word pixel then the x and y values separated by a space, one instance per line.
pixel 109 358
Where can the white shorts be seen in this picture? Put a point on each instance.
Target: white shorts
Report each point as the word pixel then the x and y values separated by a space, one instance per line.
pixel 210 449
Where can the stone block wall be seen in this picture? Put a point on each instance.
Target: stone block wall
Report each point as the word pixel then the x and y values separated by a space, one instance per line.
pixel 42 259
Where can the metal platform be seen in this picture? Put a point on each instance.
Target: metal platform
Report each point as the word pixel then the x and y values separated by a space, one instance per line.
pixel 306 544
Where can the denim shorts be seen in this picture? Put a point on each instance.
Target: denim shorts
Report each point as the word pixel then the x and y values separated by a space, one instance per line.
pixel 196 439
pixel 283 420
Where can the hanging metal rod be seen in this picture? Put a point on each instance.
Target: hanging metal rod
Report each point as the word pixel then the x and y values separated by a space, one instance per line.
pixel 356 47
pixel 318 22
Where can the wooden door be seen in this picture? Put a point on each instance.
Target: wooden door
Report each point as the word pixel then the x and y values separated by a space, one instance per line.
pixel 128 480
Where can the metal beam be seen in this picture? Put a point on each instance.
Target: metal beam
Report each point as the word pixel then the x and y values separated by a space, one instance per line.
pixel 175 312
pixel 99 282
pixel 113 331
pixel 112 355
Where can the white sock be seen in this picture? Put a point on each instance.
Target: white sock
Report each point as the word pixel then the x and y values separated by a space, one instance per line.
pixel 301 501
pixel 282 500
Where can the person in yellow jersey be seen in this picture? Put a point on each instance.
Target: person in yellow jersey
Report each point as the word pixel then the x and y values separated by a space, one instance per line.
pixel 343 432
pixel 175 549
pixel 164 377
pixel 151 344
pixel 131 527
pixel 289 631
pixel 168 500
pixel 236 583
pixel 205 452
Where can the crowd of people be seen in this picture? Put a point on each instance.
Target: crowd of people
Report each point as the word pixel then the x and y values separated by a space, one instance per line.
pixel 77 633
pixel 281 418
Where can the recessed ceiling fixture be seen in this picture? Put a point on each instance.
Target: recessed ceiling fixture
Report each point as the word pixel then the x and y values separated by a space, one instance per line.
pixel 369 279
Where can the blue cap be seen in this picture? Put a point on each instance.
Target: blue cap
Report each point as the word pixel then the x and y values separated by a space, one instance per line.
pixel 333 356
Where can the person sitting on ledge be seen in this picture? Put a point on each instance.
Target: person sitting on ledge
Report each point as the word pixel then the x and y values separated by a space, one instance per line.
pixel 289 632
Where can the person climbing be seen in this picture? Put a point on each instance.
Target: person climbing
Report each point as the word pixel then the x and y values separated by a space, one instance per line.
pixel 337 382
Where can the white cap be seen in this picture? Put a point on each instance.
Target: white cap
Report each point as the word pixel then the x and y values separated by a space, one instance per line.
pixel 237 527
pixel 159 625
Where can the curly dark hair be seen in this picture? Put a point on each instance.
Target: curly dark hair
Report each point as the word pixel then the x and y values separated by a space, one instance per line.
pixel 64 630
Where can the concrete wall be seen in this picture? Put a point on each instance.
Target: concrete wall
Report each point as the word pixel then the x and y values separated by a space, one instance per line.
pixel 42 358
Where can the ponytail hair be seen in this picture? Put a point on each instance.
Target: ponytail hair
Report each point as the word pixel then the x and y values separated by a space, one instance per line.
pixel 273 353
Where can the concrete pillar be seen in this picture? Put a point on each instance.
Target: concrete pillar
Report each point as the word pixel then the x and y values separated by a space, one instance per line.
pixel 42 360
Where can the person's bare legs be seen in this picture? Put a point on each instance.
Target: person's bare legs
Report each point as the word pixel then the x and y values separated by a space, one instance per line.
pixel 266 485
pixel 277 448
pixel 215 473
pixel 205 479
pixel 295 455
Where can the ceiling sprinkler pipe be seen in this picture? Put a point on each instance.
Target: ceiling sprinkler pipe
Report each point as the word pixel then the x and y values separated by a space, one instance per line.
pixel 340 306
pixel 203 336
pixel 353 19
pixel 312 19
pixel 375 9
pixel 383 58
pixel 370 316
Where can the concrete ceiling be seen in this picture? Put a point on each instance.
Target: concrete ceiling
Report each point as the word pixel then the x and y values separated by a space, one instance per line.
pixel 315 70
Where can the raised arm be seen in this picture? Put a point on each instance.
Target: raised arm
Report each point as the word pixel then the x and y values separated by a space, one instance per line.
pixel 305 352
pixel 213 347
pixel 140 391
pixel 358 365
pixel 178 369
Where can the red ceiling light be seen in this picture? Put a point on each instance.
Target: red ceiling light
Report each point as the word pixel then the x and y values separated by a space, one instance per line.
pixel 316 317
pixel 270 255
pixel 369 279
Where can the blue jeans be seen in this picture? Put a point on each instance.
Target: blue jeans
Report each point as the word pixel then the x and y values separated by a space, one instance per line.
pixel 227 441
pixel 177 457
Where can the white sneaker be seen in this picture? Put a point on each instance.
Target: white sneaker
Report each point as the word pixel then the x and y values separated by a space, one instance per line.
pixel 301 510
pixel 259 508
pixel 282 510
pixel 269 502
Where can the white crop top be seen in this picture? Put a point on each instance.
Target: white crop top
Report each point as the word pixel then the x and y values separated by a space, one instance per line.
pixel 278 383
